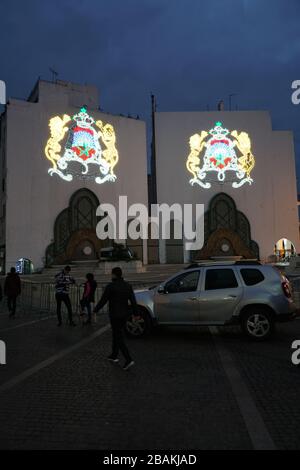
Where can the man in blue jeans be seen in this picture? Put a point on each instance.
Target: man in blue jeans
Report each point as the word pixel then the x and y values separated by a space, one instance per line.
pixel 62 283
pixel 117 293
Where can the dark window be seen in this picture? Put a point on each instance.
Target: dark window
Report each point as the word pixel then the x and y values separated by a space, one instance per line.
pixel 252 276
pixel 220 279
pixel 187 282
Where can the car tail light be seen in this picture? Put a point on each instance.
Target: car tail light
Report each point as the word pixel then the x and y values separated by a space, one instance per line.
pixel 286 288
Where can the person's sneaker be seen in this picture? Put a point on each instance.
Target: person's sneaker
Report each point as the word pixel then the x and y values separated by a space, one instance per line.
pixel 113 359
pixel 128 364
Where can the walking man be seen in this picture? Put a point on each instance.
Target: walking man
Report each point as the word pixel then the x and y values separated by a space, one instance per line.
pixel 12 289
pixel 62 283
pixel 117 294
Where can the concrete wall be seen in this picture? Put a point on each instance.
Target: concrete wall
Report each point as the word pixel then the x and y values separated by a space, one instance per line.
pixel 270 203
pixel 33 197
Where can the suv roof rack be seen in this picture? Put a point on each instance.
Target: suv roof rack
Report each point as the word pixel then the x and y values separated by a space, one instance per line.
pixel 223 263
pixel 248 261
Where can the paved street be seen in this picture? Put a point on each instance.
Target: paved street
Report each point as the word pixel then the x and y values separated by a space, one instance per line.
pixel 190 389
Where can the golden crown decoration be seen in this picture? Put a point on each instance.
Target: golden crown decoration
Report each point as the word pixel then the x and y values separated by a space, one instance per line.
pixel 219 152
pixel 87 143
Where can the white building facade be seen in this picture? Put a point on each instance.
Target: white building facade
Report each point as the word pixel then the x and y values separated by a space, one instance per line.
pixel 60 158
pixel 240 169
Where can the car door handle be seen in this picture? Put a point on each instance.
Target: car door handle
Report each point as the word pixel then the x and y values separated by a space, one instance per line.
pixel 230 297
pixel 193 298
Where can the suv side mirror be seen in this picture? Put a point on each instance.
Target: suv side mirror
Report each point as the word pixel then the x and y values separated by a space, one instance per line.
pixel 161 290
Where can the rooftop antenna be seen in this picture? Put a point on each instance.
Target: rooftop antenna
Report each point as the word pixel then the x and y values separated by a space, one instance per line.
pixel 54 74
pixel 221 105
pixel 153 189
pixel 230 99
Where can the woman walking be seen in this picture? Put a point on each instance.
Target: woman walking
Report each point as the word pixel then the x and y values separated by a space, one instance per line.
pixel 88 297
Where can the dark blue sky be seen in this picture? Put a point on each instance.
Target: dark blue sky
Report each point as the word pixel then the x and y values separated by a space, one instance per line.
pixel 190 53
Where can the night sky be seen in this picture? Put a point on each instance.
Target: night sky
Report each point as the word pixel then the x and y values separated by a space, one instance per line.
pixel 189 53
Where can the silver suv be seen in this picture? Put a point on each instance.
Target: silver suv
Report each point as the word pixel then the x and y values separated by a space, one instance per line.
pixel 246 293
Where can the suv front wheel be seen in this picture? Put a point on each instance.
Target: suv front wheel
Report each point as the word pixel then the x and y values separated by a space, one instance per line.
pixel 139 326
pixel 257 323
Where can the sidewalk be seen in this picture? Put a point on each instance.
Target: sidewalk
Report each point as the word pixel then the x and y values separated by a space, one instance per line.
pixel 179 395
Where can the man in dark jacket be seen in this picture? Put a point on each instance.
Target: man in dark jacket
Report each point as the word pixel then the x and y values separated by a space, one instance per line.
pixel 12 289
pixel 117 294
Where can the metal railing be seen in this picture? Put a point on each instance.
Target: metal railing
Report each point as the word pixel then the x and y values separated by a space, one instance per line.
pixel 39 297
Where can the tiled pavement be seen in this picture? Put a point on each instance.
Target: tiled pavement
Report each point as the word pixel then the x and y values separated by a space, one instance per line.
pixel 178 395
pixel 273 381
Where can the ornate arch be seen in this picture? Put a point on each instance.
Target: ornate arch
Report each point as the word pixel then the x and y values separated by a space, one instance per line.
pixel 74 224
pixel 82 210
pixel 222 212
pixel 174 246
pixel 224 224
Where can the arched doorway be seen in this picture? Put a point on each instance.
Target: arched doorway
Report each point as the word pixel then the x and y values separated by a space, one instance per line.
pixel 284 249
pixel 226 231
pixel 75 236
pixel 174 245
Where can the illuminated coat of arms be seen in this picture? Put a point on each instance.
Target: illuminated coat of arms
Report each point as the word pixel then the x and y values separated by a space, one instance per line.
pixel 220 152
pixel 86 142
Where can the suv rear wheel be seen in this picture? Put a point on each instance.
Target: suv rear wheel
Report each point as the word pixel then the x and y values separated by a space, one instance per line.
pixel 257 323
